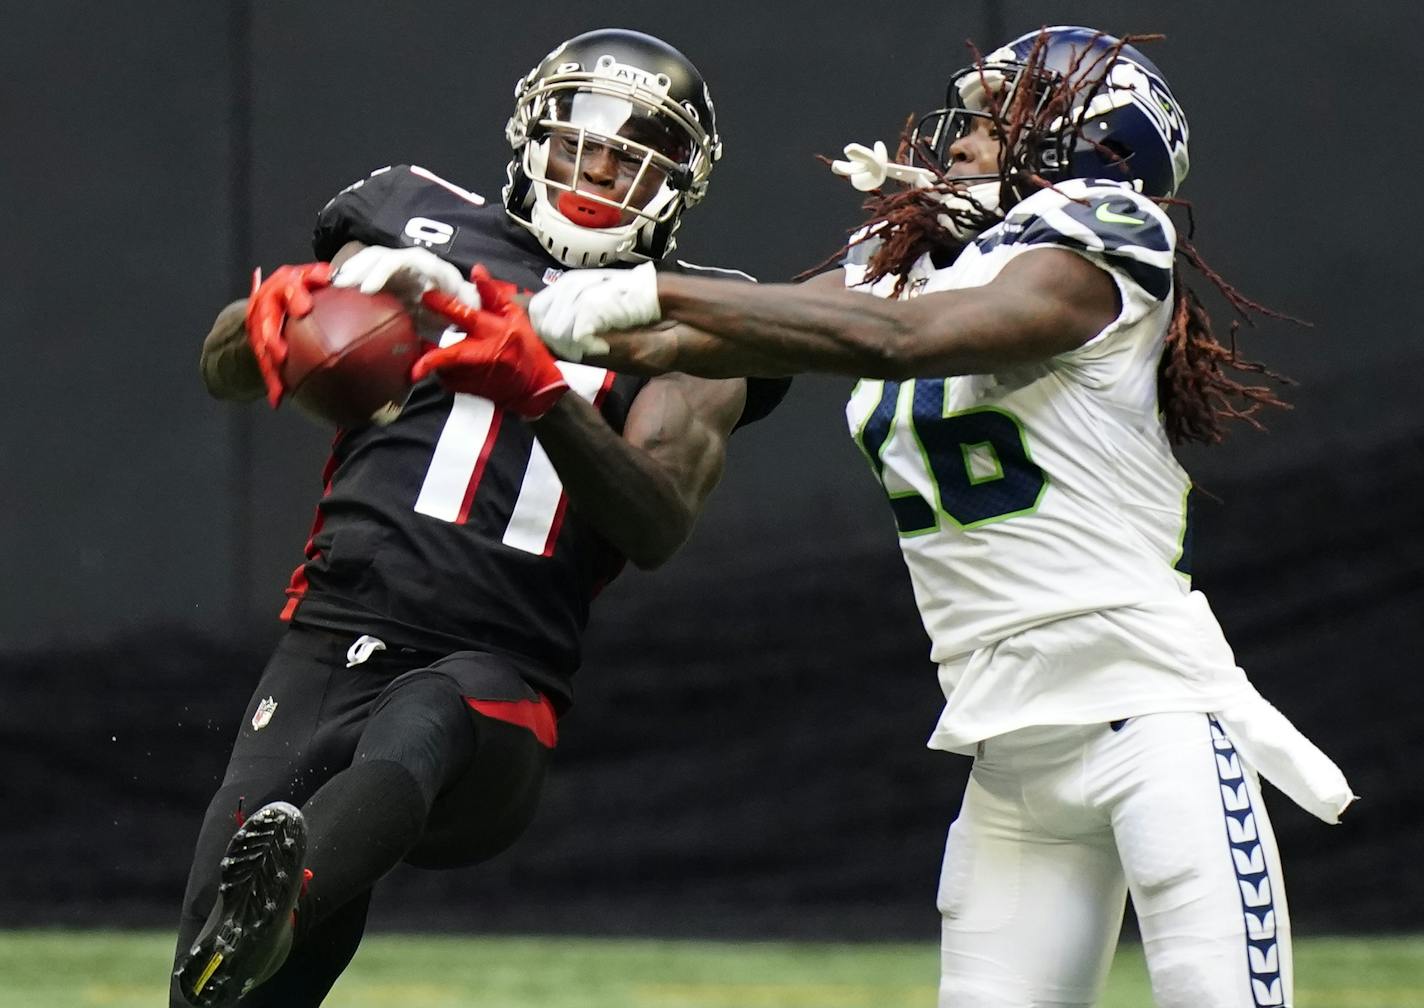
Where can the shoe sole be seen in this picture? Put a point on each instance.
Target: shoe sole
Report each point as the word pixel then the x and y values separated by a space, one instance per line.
pixel 261 878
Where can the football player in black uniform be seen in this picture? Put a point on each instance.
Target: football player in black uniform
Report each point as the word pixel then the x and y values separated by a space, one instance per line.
pixel 434 625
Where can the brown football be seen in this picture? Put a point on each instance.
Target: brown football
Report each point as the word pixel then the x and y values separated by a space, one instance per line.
pixel 348 361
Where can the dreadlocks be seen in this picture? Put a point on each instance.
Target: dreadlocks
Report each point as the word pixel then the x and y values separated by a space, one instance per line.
pixel 1196 389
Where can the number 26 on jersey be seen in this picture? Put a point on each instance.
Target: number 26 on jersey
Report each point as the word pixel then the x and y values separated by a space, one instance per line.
pixel 971 467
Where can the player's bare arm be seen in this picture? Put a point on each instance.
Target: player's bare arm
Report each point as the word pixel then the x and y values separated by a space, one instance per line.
pixel 227 363
pixel 1043 303
pixel 644 490
pixel 677 347
pixel 670 346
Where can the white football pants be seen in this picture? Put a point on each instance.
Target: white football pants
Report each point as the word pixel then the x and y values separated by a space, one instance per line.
pixel 1059 823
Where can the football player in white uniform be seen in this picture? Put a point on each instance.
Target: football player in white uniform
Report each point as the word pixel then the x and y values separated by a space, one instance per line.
pixel 1028 354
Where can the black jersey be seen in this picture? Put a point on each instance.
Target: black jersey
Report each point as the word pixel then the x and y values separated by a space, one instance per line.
pixel 449 528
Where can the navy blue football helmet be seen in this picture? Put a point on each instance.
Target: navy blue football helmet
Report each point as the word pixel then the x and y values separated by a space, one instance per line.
pixel 1099 109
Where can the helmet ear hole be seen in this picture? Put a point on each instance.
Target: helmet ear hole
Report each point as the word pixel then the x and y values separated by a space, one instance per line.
pixel 1120 153
pixel 680 179
pixel 1110 159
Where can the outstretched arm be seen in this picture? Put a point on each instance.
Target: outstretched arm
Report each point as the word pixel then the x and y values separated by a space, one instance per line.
pixel 675 347
pixel 1042 303
pixel 644 490
pixel 672 346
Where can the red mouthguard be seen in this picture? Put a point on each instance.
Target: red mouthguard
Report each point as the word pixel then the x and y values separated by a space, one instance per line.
pixel 588 213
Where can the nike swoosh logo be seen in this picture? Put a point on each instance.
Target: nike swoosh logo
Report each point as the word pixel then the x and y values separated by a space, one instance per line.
pixel 1108 217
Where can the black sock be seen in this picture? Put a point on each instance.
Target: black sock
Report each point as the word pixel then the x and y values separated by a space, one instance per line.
pixel 359 826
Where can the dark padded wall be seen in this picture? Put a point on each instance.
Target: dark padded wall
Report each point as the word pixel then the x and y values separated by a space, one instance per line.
pixel 747 753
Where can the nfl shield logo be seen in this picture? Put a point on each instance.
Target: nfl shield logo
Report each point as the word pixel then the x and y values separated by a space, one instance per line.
pixel 264 713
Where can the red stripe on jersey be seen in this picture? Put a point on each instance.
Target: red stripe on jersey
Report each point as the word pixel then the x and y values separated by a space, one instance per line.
pixel 556 525
pixel 485 451
pixel 535 715
pixel 608 377
pixel 297 586
pixel 558 522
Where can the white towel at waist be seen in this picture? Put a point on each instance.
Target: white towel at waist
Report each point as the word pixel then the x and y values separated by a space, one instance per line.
pixel 1267 741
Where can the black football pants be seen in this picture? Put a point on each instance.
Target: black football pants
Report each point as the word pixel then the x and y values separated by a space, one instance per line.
pixel 390 762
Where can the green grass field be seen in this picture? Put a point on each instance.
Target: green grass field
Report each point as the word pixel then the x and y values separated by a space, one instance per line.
pixel 68 969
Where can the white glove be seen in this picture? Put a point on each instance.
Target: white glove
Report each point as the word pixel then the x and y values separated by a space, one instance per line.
pixel 569 313
pixel 405 272
pixel 869 167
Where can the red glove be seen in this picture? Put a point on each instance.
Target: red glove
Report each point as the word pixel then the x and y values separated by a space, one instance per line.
pixel 285 294
pixel 500 357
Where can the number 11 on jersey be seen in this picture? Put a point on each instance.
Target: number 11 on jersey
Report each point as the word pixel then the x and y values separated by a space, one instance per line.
pixel 465 444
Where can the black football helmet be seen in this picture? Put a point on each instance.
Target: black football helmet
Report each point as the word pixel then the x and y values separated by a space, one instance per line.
pixel 636 95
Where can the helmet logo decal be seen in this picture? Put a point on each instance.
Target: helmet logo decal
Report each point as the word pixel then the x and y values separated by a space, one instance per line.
pixel 609 67
pixel 1149 94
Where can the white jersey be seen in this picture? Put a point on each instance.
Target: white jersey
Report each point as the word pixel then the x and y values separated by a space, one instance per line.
pixel 1041 512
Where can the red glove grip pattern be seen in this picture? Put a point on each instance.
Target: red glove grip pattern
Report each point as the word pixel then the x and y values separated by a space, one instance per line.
pixel 285 294
pixel 500 358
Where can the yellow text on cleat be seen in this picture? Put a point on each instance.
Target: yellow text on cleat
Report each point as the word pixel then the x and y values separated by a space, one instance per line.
pixel 208 972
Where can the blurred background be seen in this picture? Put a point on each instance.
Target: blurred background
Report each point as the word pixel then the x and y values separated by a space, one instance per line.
pixel 746 757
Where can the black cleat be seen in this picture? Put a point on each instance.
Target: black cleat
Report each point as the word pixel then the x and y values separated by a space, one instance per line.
pixel 248 934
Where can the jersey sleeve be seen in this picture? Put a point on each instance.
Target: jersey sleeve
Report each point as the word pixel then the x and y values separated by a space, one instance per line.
pixel 860 249
pixel 1127 236
pixel 1111 225
pixel 352 214
pixel 763 396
